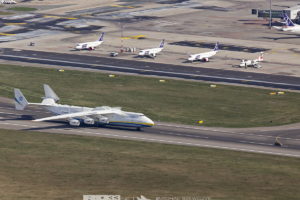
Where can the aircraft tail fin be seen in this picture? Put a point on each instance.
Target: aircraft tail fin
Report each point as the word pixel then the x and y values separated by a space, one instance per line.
pixel 288 21
pixel 216 47
pixel 20 100
pixel 162 44
pixel 50 94
pixel 261 57
pixel 101 37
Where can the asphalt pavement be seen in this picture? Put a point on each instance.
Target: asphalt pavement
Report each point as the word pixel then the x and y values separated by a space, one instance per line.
pixel 249 140
pixel 149 68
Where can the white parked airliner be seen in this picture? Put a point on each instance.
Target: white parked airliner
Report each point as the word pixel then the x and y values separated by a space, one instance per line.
pixel 204 56
pixel 152 52
pixel 76 115
pixel 288 25
pixel 8 2
pixel 90 45
pixel 253 63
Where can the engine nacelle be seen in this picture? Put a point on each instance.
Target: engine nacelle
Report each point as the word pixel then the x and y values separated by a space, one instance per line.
pixel 74 122
pixel 205 59
pixel 89 121
pixel 103 120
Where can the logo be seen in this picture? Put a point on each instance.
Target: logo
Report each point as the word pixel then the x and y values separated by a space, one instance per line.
pixel 101 197
pixel 20 98
pixel 118 197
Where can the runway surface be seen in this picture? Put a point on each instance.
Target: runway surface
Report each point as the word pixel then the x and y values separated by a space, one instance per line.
pixel 148 68
pixel 250 140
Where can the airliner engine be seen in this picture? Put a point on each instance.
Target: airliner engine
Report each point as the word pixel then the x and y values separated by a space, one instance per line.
pixel 74 122
pixel 205 59
pixel 103 120
pixel 89 121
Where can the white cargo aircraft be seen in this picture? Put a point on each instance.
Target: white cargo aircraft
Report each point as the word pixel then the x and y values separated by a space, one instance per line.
pixel 142 198
pixel 152 52
pixel 253 63
pixel 288 25
pixel 204 56
pixel 76 115
pixel 90 45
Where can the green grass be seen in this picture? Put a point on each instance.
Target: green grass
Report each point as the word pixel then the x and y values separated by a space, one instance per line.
pixel 27 9
pixel 173 101
pixel 51 166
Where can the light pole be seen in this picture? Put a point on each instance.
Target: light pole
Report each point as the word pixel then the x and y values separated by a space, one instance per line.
pixel 270 15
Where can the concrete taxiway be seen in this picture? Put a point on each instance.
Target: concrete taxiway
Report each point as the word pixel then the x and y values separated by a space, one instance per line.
pixel 148 68
pixel 257 140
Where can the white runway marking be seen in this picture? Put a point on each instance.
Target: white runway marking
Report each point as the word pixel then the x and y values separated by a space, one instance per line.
pixel 9 113
pixel 226 132
pixel 14 124
pixel 259 143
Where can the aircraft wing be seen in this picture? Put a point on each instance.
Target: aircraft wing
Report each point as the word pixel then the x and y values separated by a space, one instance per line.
pixel 79 114
pixel 295 31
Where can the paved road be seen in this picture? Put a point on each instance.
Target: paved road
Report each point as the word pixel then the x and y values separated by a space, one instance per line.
pixel 250 140
pixel 147 68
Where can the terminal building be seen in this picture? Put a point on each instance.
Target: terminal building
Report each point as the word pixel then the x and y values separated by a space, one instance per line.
pixel 292 12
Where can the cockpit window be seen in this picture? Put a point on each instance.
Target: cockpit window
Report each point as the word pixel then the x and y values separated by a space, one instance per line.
pixel 135 115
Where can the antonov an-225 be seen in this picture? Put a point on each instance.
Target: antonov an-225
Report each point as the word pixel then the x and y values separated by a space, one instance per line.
pixel 76 115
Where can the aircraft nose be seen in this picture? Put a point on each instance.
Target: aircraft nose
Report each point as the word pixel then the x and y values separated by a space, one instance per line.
pixel 150 122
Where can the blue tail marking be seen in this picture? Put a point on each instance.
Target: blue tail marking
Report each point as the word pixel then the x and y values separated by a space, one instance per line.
pixel 162 44
pixel 288 21
pixel 216 47
pixel 101 37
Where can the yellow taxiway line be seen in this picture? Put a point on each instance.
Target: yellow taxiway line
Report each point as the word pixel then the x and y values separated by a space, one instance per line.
pixel 134 37
pixel 9 24
pixel 7 34
pixel 58 17
pixel 120 6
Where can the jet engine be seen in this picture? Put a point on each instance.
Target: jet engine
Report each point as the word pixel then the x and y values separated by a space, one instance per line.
pixel 74 122
pixel 152 55
pixel 89 121
pixel 205 59
pixel 103 120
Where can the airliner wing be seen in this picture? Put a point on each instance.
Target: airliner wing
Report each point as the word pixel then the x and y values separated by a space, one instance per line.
pixel 79 114
pixel 277 27
pixel 295 31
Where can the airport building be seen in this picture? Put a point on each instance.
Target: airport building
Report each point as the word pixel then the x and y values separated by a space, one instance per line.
pixel 292 12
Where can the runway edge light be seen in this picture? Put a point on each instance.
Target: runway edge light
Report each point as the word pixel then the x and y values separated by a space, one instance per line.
pixel 280 93
pixel 200 122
